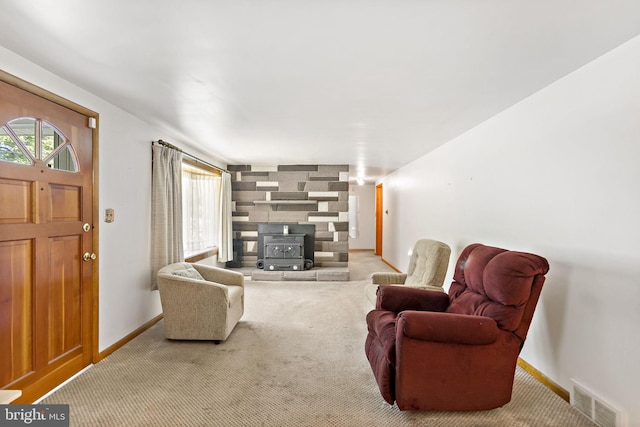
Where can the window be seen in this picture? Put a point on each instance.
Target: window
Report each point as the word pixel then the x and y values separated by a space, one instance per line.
pixel 200 209
pixel 26 140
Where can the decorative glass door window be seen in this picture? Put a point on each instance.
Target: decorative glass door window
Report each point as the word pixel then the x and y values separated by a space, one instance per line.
pixel 28 141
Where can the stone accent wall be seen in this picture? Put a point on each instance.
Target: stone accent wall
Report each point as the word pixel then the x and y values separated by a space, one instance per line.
pixel 293 194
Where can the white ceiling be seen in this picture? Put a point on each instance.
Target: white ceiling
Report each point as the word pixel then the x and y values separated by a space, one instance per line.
pixel 370 83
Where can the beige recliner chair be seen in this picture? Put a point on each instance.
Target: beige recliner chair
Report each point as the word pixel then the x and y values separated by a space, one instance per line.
pixel 200 302
pixel 427 269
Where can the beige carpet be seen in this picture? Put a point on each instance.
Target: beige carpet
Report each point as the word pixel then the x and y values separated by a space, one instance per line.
pixel 296 359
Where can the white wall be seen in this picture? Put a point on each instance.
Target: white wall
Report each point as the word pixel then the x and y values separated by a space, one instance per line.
pixel 366 217
pixel 126 302
pixel 557 175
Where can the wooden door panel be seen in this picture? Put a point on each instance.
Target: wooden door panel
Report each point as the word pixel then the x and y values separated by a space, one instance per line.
pixel 65 296
pixel 65 203
pixel 16 202
pixel 16 299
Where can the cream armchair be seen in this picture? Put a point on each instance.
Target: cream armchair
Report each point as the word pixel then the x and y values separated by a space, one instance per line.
pixel 200 302
pixel 427 269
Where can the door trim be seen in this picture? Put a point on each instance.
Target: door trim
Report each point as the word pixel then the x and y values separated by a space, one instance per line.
pixel 57 99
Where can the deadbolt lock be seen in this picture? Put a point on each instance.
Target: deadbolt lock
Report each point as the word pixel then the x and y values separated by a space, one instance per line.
pixel 86 227
pixel 89 256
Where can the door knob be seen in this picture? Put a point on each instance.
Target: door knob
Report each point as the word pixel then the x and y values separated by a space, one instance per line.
pixel 89 256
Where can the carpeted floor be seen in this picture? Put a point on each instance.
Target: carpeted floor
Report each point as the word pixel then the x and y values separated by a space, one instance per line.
pixel 295 359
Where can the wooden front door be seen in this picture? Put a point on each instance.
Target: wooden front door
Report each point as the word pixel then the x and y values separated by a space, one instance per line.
pixel 378 250
pixel 46 228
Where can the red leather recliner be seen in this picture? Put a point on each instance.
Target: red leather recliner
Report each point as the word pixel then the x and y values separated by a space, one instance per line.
pixel 433 351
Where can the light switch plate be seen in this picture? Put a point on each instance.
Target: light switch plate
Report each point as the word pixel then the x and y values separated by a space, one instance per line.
pixel 109 215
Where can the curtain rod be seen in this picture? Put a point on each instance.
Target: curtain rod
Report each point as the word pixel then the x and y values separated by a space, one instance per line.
pixel 166 144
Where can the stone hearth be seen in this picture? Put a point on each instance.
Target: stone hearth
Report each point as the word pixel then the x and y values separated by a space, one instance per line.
pixel 316 274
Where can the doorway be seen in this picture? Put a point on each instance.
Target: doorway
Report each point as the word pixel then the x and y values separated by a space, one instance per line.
pixel 48 267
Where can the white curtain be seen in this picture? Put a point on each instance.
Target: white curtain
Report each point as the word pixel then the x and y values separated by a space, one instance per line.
pixel 166 210
pixel 225 250
pixel 200 211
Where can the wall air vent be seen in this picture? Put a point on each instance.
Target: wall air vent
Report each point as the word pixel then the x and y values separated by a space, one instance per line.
pixel 604 415
pixel 582 400
pixel 594 407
